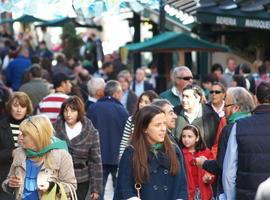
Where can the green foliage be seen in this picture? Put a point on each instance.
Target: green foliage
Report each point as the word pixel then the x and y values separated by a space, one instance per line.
pixel 71 41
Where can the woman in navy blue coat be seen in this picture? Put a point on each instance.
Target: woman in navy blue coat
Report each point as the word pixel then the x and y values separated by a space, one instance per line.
pixel 151 162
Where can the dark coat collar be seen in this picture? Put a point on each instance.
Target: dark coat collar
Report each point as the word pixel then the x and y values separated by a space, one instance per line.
pixel 260 109
pixel 109 98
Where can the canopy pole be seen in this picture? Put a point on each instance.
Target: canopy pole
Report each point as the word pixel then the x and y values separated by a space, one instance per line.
pixel 181 60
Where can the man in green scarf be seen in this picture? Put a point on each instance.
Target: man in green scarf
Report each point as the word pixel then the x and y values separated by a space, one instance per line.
pixel 239 104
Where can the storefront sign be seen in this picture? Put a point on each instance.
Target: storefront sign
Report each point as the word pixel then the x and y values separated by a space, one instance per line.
pixel 226 20
pixel 233 20
pixel 253 23
pixel 243 22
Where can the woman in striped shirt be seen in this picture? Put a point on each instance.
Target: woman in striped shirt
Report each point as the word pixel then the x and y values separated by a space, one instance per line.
pixel 146 98
pixel 18 108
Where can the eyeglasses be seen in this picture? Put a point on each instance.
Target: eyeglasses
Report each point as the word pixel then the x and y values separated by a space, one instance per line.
pixel 228 105
pixel 215 91
pixel 186 78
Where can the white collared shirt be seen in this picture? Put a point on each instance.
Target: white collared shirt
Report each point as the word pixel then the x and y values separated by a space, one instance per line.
pixel 139 88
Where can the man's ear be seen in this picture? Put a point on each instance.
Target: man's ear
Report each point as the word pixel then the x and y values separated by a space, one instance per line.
pixel 236 108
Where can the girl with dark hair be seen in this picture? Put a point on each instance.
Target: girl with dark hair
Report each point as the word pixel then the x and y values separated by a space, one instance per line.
pixel 83 143
pixel 199 181
pixel 149 167
pixel 145 99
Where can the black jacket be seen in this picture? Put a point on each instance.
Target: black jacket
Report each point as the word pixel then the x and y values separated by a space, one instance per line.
pixel 146 86
pixel 208 123
pixel 216 166
pixel 131 102
pixel 6 148
pixel 253 139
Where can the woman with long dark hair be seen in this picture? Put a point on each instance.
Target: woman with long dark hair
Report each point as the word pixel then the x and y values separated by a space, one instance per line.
pixel 149 167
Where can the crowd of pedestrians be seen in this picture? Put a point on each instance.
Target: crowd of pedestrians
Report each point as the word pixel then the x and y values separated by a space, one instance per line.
pixel 64 128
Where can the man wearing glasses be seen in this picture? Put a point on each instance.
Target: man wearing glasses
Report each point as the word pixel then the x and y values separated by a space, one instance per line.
pixel 246 163
pixel 181 77
pixel 238 104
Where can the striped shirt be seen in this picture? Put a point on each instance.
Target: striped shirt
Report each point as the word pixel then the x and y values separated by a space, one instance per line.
pixel 15 133
pixel 128 130
pixel 51 105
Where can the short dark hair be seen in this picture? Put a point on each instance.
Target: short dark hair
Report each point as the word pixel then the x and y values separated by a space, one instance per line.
pixel 111 87
pixel 60 58
pixel 240 80
pixel 216 67
pixel 208 78
pixel 196 89
pixel 262 69
pixel 223 88
pixel 263 92
pixel 36 71
pixel 245 68
pixel 75 103
pixel 58 78
pixel 106 65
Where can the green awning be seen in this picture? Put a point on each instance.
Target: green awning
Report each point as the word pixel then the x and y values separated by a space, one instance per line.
pixel 172 41
pixel 234 17
pixel 27 19
pixel 63 21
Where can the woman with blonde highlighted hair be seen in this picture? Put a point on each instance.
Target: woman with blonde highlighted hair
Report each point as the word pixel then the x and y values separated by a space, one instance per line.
pixel 18 108
pixel 41 164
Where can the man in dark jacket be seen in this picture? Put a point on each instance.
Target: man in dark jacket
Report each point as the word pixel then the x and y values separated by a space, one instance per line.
pixel 109 116
pixel 16 69
pixel 140 85
pixel 238 104
pixel 192 111
pixel 246 163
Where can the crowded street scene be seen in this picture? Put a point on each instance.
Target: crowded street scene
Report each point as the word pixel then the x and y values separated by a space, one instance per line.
pixel 135 100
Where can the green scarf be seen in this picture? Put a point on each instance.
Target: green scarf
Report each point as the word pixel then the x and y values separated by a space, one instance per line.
pixel 238 115
pixel 56 144
pixel 155 148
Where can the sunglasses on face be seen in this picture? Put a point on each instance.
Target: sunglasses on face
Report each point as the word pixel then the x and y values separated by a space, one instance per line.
pixel 216 92
pixel 186 78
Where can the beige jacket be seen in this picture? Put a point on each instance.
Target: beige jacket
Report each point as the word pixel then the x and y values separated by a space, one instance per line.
pixel 60 170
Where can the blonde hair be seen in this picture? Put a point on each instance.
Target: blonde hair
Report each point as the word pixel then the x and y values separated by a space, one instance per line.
pixel 40 129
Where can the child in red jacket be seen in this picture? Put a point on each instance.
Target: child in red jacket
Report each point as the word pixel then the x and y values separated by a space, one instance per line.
pixel 199 181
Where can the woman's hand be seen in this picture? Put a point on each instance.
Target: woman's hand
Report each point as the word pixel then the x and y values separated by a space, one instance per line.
pixel 207 178
pixel 94 196
pixel 44 186
pixel 15 182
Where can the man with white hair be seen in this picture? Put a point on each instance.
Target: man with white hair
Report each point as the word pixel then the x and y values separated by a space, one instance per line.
pixel 95 88
pixel 181 77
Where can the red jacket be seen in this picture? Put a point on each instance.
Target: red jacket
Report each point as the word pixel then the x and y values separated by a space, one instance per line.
pixel 214 148
pixel 205 188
